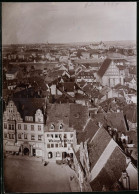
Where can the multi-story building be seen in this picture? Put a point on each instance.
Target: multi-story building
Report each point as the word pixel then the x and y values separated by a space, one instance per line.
pixel 109 74
pixel 23 127
pixel 86 76
pixel 58 141
pixel 63 120
pixel 11 74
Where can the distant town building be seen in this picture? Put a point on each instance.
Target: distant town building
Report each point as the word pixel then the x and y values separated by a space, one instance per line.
pixel 109 73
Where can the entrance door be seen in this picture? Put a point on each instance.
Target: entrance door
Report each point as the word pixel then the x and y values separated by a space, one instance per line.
pixel 26 151
pixel 50 155
pixel 64 155
pixel 34 152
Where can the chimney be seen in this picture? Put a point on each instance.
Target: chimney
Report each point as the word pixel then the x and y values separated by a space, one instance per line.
pixel 99 124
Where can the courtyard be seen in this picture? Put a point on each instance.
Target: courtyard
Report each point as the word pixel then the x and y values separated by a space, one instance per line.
pixel 21 175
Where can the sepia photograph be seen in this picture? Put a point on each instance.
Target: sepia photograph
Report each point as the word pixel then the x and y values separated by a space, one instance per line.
pixel 69 94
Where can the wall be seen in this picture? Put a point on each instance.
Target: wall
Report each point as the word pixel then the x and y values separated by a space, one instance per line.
pixel 133 176
pixel 56 144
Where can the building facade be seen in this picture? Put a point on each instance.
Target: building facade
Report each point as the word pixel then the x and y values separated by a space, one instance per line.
pixel 109 74
pixel 59 141
pixel 23 136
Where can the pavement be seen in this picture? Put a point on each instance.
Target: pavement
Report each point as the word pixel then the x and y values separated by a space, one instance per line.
pixel 23 157
pixel 74 183
pixel 26 175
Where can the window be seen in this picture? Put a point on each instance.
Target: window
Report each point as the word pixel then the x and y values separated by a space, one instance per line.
pixel 57 154
pixel 28 118
pixel 5 125
pixel 52 135
pixel 71 135
pixel 65 145
pixel 56 135
pixel 10 127
pixel 25 127
pixel 48 135
pixel 19 136
pixel 39 127
pixel 32 137
pixel 56 145
pixel 61 126
pixel 48 145
pixel 52 127
pixel 32 127
pixel 5 135
pixel 39 120
pixel 19 126
pixel 39 137
pixel 11 136
pixel 52 145
pixel 65 135
pixel 25 136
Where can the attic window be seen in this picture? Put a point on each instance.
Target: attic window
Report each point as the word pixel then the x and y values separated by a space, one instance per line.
pixel 52 127
pixel 61 126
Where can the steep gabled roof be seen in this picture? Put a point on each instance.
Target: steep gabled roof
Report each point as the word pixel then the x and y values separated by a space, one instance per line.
pixel 131 112
pixel 90 129
pixel 104 67
pixel 28 106
pixel 111 172
pixel 97 146
pixel 78 116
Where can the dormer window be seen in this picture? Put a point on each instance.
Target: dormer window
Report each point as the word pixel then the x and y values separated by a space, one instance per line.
pixel 61 126
pixel 52 127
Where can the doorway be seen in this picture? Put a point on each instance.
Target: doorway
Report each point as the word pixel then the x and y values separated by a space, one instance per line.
pixel 34 152
pixel 26 151
pixel 50 155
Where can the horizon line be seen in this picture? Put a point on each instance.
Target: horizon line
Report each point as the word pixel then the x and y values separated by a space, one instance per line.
pixel 67 42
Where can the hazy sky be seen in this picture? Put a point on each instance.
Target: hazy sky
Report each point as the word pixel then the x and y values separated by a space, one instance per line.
pixel 59 22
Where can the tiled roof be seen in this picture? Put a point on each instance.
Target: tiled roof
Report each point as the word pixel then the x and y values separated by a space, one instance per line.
pixel 64 99
pixel 80 137
pixel 111 172
pixel 78 116
pixel 57 112
pixel 28 106
pixel 104 67
pixel 79 96
pixel 72 115
pixel 90 129
pixel 116 120
pixel 11 71
pixel 131 112
pixel 115 55
pixel 69 86
pixel 128 79
pixel 132 137
pixel 133 70
pixel 86 73
pixel 98 145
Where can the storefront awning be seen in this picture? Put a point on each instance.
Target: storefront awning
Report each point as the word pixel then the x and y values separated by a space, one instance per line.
pixel 12 148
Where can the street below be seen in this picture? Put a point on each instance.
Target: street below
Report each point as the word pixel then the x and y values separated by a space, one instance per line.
pixel 33 176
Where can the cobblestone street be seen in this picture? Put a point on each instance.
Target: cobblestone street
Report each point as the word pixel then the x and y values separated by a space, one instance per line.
pixel 33 176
